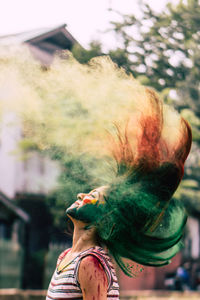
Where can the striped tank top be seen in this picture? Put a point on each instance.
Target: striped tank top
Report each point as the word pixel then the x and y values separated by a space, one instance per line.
pixel 65 284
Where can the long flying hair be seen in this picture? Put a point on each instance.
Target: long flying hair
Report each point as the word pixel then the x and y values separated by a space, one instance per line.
pixel 140 220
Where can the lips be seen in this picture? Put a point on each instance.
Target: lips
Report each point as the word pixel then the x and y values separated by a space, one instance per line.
pixel 78 202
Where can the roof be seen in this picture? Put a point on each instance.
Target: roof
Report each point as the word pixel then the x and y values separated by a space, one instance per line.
pixel 43 43
pixel 14 208
pixel 33 36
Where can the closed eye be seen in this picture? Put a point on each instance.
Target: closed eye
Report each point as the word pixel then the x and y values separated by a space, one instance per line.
pixel 95 195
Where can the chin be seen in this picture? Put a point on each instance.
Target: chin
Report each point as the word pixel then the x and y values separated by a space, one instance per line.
pixel 72 212
pixel 79 214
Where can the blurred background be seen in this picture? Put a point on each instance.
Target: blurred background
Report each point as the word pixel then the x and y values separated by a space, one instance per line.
pixel 155 41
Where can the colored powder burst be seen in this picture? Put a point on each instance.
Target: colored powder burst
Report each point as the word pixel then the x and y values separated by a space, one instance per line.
pixel 70 104
pixel 78 108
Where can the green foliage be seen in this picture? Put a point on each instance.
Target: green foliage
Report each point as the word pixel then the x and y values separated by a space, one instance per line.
pixel 162 50
pixel 83 55
pixel 28 145
pixel 120 57
pixel 10 264
pixel 164 47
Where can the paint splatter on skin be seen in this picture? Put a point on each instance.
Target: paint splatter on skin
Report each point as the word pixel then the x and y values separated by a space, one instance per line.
pixel 96 287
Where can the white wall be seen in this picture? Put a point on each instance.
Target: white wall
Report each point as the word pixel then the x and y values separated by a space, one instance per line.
pixel 9 137
pixel 193 238
pixel 38 174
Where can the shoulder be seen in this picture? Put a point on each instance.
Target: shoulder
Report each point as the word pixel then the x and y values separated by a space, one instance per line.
pixel 99 260
pixel 92 277
pixel 91 261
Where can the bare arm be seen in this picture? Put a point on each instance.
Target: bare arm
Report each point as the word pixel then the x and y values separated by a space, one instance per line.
pixel 93 279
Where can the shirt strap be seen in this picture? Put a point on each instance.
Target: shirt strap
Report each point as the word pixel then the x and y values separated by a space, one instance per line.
pixel 61 256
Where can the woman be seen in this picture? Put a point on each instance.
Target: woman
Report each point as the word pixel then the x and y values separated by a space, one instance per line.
pixel 135 216
pixel 85 271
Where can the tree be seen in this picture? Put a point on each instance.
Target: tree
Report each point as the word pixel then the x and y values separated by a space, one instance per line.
pixel 162 46
pixel 84 55
pixel 162 51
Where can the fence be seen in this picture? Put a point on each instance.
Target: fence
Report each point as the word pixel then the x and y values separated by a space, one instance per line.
pixel 15 294
pixel 11 260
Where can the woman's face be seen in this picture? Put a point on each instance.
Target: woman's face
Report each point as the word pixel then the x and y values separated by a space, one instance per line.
pixel 96 196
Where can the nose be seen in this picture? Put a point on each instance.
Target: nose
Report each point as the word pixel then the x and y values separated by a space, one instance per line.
pixel 80 196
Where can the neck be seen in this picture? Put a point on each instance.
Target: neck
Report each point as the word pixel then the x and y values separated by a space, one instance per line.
pixel 83 239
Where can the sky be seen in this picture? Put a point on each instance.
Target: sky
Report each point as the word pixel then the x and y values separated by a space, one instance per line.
pixel 86 19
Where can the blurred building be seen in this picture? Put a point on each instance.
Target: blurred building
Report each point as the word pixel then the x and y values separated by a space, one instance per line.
pixel 43 43
pixel 13 221
pixel 38 173
pixel 25 182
